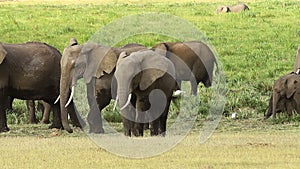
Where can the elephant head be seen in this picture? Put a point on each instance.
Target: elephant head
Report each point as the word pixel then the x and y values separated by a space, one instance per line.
pixel 82 61
pixel 223 9
pixel 284 91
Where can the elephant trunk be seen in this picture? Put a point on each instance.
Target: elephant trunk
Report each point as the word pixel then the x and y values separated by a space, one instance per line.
pixel 274 102
pixel 64 95
pixel 123 99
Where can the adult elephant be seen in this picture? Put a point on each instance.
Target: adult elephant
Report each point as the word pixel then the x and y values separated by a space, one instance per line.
pixel 235 8
pixel 150 78
pixel 96 64
pixel 193 60
pixel 286 95
pixel 30 71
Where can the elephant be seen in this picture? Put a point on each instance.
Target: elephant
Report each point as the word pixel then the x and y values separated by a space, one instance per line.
pixel 149 79
pixel 193 60
pixel 240 7
pixel 96 65
pixel 30 71
pixel 285 96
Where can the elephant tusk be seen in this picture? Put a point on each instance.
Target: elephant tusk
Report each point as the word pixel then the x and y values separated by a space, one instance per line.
pixel 115 105
pixel 71 97
pixel 298 71
pixel 178 93
pixel 127 103
pixel 57 99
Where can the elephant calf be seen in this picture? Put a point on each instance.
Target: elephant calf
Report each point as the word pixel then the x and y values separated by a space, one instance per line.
pixel 286 96
pixel 236 8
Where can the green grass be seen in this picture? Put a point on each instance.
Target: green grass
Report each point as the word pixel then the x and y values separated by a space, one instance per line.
pixel 255 48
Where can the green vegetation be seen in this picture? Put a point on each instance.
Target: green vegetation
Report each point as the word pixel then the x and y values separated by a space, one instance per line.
pixel 255 48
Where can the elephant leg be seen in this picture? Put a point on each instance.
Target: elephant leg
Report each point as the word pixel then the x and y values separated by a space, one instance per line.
pixel 31 108
pixel 94 116
pixel 10 102
pixel 159 110
pixel 46 112
pixel 289 107
pixel 163 119
pixel 75 117
pixel 194 86
pixel 142 105
pixel 3 107
pixel 269 111
pixel 154 127
pixel 127 114
pixel 56 117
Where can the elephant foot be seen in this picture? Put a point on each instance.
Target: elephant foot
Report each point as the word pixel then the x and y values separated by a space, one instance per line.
pixel 45 122
pixel 34 121
pixel 80 124
pixel 57 126
pixel 127 133
pixel 96 130
pixel 4 129
pixel 69 130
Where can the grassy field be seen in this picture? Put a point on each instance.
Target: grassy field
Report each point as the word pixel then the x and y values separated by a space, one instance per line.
pixel 255 48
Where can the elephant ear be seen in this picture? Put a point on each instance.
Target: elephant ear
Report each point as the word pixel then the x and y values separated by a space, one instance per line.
pixel 291 87
pixel 99 60
pixel 161 49
pixel 122 56
pixel 153 67
pixel 2 53
pixel 73 42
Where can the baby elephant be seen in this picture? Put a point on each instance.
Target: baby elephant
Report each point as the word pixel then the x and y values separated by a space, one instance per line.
pixel 286 95
pixel 236 8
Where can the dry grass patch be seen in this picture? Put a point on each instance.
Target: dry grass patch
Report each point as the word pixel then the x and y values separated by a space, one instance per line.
pixel 223 150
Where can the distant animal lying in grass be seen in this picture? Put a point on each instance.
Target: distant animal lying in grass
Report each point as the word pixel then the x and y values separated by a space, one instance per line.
pixel 240 7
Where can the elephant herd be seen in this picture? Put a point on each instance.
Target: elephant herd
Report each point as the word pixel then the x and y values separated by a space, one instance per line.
pixel 141 80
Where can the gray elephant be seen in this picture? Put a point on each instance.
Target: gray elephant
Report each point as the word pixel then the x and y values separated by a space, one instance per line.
pixel 96 65
pixel 285 96
pixel 30 71
pixel 149 79
pixel 240 7
pixel 193 60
